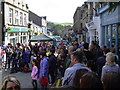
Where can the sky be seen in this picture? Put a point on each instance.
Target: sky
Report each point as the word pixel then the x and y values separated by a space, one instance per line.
pixel 60 11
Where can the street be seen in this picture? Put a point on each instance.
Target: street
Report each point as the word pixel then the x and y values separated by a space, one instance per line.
pixel 24 78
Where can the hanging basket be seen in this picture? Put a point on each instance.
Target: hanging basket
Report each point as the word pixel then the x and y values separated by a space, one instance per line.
pixel 9 28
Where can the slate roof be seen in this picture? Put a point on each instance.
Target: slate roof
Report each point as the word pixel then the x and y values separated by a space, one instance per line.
pixel 35 18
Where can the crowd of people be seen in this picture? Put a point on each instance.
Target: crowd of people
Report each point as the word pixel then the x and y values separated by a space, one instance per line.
pixel 75 65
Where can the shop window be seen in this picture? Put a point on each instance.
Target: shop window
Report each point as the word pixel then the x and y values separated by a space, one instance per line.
pixel 114 34
pixel 119 38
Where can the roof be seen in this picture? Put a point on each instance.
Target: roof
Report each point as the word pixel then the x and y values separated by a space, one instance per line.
pixel 35 18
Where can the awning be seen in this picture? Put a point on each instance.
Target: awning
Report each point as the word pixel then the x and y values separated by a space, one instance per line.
pixel 41 37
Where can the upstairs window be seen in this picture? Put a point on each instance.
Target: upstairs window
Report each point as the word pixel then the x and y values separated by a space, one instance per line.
pixel 21 18
pixel 25 21
pixel 16 17
pixel 10 16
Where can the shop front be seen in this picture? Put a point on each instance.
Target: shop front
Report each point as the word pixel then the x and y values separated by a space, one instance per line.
pixel 16 35
pixel 110 24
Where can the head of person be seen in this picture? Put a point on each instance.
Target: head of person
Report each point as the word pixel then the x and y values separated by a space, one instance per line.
pixel 9 44
pixel 76 57
pixel 90 80
pixel 110 59
pixel 42 54
pixel 111 80
pixel 76 45
pixel 70 50
pixel 34 62
pixel 86 45
pixel 78 75
pixel 52 51
pixel 10 83
pixel 112 49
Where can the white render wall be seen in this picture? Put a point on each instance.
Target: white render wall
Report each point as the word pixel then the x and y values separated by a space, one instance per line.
pixel 20 6
pixel 96 20
pixel 44 26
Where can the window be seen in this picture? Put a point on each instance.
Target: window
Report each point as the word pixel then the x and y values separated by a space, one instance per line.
pixel 11 16
pixel 25 22
pixel 16 17
pixel 21 18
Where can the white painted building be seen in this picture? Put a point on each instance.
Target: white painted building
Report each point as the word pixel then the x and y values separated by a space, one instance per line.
pixel 94 30
pixel 16 21
pixel 44 25
pixel 37 24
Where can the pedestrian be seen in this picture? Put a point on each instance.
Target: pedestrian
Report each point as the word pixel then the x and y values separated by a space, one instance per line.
pixel 78 75
pixel 67 60
pixel 33 56
pixel 90 80
pixel 26 57
pixel 1 56
pixel 111 81
pixel 43 71
pixel 34 74
pixel 10 83
pixel 110 65
pixel 15 55
pixel 52 66
pixel 76 62
pixel 9 51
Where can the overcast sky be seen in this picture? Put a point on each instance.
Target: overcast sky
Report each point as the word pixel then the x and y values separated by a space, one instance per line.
pixel 55 10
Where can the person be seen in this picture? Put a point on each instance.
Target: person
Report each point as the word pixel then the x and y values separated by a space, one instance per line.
pixel 52 65
pixel 67 60
pixel 34 74
pixel 26 58
pixel 111 81
pixel 10 83
pixel 88 55
pixel 78 75
pixel 90 80
pixel 76 59
pixel 1 56
pixel 100 62
pixel 15 55
pixel 9 51
pixel 43 71
pixel 32 57
pixel 110 65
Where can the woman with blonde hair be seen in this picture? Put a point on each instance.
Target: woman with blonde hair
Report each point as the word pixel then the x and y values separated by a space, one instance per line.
pixel 110 65
pixel 10 83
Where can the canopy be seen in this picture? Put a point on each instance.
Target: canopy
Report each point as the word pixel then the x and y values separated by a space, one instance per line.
pixel 41 37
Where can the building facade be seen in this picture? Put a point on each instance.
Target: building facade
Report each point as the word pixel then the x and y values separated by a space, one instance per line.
pixel 37 24
pixel 110 24
pixel 0 22
pixel 87 22
pixel 82 15
pixel 15 23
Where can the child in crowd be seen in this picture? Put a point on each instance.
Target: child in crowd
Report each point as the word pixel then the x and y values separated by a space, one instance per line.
pixel 34 74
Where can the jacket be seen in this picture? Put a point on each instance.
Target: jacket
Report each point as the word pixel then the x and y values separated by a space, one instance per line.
pixel 44 66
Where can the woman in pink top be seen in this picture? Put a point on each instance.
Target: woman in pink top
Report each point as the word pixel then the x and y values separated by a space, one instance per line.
pixel 34 74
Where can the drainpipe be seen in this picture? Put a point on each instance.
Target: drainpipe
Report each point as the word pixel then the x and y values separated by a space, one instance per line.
pixel 3 21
